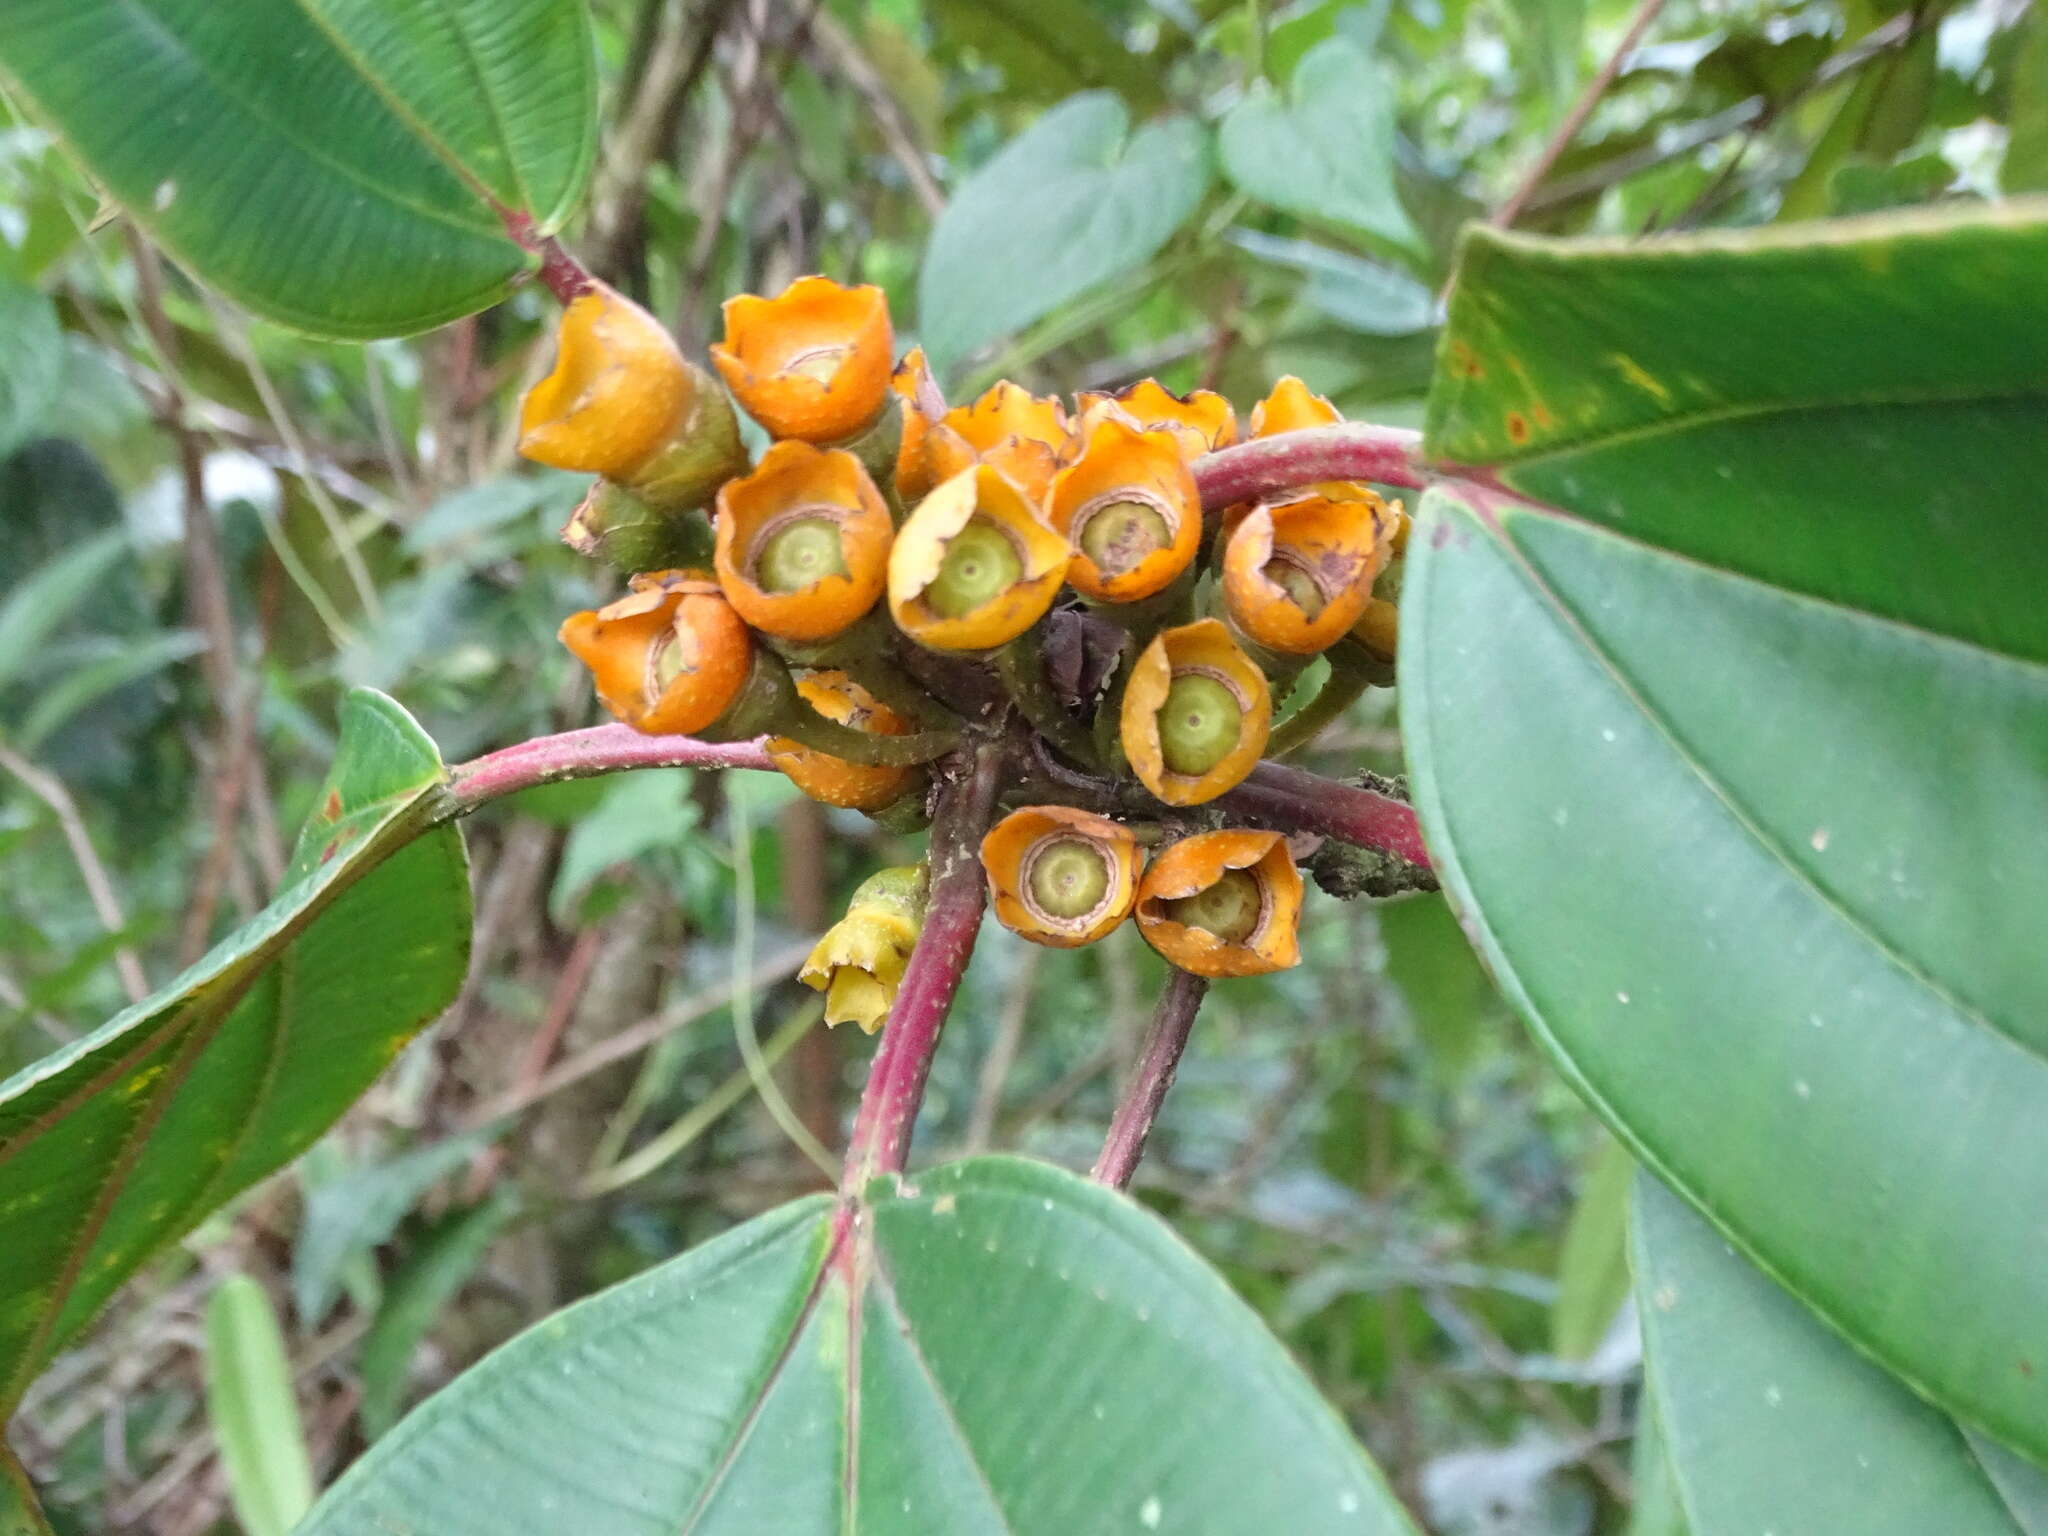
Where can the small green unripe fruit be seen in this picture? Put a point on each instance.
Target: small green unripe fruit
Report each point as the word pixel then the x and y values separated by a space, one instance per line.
pixel 1120 534
pixel 981 564
pixel 1069 878
pixel 1230 908
pixel 1199 724
pixel 798 554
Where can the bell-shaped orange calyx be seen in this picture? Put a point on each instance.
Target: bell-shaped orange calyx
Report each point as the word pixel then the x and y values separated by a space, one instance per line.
pixel 1291 406
pixel 922 406
pixel 669 657
pixel 1196 713
pixel 1059 876
pixel 1200 420
pixel 1020 433
pixel 974 566
pixel 1297 574
pixel 619 388
pixel 859 962
pixel 1224 904
pixel 811 363
pixel 1129 507
pixel 834 780
pixel 803 542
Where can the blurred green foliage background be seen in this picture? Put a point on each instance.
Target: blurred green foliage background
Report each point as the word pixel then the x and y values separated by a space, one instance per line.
pixel 210 526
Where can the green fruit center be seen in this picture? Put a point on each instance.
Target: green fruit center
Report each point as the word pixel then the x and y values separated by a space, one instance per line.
pixel 1069 877
pixel 1300 587
pixel 797 554
pixel 982 563
pixel 665 665
pixel 1199 724
pixel 1230 909
pixel 1120 534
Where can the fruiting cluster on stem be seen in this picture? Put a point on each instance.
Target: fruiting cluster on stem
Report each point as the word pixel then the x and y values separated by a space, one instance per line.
pixel 895 589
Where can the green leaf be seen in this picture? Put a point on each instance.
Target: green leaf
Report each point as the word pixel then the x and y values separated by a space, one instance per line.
pixel 121 1141
pixel 351 1214
pixel 438 1266
pixel 1003 1347
pixel 47 595
pixel 1326 150
pixel 1657 1511
pixel 333 164
pixel 254 1411
pixel 1359 295
pixel 1048 47
pixel 1592 1269
pixel 1772 1423
pixel 2025 168
pixel 1725 687
pixel 1073 201
pixel 31 363
pixel 73 691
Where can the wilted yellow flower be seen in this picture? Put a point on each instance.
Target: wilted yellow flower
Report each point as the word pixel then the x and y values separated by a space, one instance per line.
pixel 859 962
pixel 669 657
pixel 1297 574
pixel 1200 420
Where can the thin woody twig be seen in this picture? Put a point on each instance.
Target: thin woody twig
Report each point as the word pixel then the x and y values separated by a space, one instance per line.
pixel 1505 216
pixel 1132 1125
pixel 49 789
pixel 584 754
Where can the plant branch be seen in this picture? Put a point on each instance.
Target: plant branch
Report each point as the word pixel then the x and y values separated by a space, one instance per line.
pixel 1295 800
pixel 585 754
pixel 562 272
pixel 910 1038
pixel 1353 451
pixel 1146 1091
pixel 1575 119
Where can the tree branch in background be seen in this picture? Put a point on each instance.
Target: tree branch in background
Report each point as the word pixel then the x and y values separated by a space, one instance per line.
pixel 1146 1091
pixel 910 1038
pixel 1575 119
pixel 49 789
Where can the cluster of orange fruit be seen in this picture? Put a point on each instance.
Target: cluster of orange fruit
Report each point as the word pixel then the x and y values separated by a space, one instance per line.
pixel 810 595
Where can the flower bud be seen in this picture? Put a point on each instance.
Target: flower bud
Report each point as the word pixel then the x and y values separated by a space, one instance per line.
pixel 1129 507
pixel 1059 876
pixel 811 363
pixel 623 402
pixel 1201 421
pixel 1196 714
pixel 614 525
pixel 974 566
pixel 859 962
pixel 803 542
pixel 669 657
pixel 1224 904
pixel 834 780
pixel 1297 574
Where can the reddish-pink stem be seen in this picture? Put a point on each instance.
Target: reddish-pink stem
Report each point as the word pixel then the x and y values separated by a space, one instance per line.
pixel 1296 800
pixel 910 1038
pixel 585 754
pixel 1132 1126
pixel 563 273
pixel 1268 465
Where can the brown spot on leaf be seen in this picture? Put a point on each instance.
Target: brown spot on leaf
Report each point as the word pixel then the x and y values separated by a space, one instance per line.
pixel 1542 414
pixel 2027 1369
pixel 330 808
pixel 1465 361
pixel 1518 427
pixel 333 847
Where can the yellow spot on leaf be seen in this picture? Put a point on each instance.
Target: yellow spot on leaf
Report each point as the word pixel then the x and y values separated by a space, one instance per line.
pixel 1639 376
